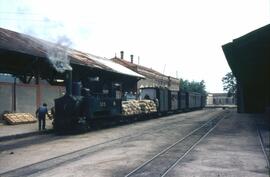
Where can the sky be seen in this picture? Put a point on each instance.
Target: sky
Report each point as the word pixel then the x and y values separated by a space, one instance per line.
pixel 180 38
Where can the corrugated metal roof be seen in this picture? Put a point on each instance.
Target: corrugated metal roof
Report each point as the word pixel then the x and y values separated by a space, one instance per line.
pixel 22 43
pixel 147 72
pixel 115 66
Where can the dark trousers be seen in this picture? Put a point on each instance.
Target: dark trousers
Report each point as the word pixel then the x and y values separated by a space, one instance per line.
pixel 41 123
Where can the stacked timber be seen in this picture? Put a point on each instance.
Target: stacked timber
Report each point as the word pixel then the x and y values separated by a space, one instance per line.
pixel 19 118
pixel 134 107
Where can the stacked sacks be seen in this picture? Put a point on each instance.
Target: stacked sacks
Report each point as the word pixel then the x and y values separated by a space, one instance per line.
pixel 130 107
pixel 147 106
pixel 133 107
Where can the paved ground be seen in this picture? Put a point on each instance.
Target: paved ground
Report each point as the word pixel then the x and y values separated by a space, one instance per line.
pixel 13 130
pixel 233 149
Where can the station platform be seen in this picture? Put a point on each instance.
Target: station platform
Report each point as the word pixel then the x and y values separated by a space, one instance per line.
pixel 22 130
pixel 226 106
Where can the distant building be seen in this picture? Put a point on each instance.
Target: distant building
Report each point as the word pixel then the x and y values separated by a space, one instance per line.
pixel 209 100
pixel 220 99
pixel 152 77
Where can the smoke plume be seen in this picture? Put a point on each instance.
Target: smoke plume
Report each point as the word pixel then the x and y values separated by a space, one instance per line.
pixel 58 55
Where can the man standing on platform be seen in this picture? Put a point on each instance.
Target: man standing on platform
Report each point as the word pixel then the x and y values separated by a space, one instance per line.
pixel 41 115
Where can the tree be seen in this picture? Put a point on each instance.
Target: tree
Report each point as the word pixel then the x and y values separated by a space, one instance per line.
pixel 229 84
pixel 193 86
pixel 184 85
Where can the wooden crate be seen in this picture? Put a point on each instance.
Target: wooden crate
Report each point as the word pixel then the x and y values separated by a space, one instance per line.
pixel 19 118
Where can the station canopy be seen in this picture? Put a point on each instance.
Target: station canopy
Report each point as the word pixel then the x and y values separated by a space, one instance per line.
pixel 22 54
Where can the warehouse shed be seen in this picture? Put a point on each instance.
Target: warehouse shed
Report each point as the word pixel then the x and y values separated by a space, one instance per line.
pixel 249 58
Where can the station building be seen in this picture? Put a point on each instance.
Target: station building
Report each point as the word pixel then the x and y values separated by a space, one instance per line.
pixel 152 78
pixel 28 78
pixel 220 99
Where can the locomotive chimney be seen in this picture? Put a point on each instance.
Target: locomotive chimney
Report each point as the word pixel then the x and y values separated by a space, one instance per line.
pixel 68 82
pixel 122 55
pixel 131 58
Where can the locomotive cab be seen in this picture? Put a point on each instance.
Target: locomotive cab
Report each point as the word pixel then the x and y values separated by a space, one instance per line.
pixel 103 99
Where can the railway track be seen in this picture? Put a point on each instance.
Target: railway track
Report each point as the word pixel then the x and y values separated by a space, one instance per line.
pixel 76 155
pixel 38 139
pixel 263 146
pixel 173 154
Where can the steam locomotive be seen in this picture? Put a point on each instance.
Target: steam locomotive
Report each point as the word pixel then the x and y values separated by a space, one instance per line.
pixel 90 99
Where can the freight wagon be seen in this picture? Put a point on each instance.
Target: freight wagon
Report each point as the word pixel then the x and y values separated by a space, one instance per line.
pixel 173 101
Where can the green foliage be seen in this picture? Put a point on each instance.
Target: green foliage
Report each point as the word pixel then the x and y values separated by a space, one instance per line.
pixel 229 84
pixel 193 86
